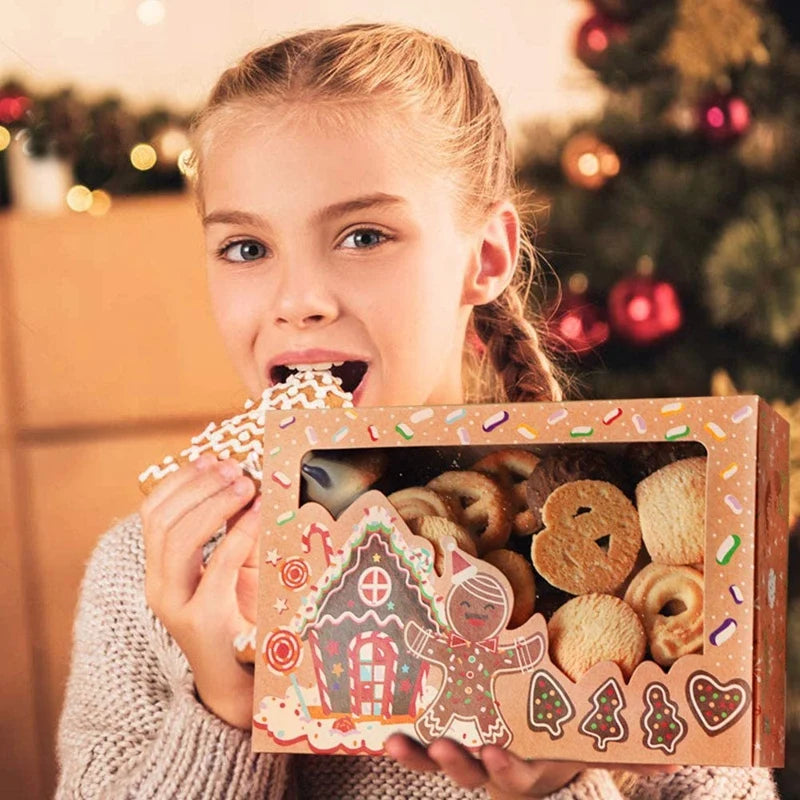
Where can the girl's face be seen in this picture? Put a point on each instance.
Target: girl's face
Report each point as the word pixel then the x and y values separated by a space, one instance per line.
pixel 329 243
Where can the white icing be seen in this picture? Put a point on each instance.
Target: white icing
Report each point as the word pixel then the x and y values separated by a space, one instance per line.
pixel 241 436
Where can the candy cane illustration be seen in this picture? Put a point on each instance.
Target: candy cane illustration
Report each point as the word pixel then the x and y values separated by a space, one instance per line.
pixel 325 537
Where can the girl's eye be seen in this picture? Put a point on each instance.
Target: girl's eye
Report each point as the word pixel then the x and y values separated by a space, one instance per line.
pixel 364 238
pixel 465 603
pixel 243 250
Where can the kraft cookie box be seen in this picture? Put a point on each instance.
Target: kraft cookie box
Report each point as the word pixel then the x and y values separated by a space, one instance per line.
pixel 655 534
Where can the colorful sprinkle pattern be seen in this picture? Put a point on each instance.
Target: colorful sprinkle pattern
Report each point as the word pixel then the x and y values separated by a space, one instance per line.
pixel 728 428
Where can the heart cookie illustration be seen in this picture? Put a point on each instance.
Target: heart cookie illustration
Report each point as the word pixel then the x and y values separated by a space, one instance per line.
pixel 716 705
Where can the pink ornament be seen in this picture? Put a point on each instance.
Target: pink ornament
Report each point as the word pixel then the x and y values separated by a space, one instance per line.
pixel 723 118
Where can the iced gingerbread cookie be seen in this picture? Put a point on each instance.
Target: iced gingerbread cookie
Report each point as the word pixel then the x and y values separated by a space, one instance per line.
pixel 716 705
pixel 590 540
pixel 241 436
pixel 663 726
pixel 594 628
pixel 605 723
pixel 549 706
pixel 672 512
pixel 669 602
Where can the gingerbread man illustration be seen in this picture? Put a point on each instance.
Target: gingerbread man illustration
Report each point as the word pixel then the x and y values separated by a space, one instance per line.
pixel 471 657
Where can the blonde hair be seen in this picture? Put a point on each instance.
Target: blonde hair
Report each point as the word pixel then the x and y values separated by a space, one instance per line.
pixel 411 70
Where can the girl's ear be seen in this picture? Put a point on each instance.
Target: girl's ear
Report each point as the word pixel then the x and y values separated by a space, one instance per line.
pixel 494 259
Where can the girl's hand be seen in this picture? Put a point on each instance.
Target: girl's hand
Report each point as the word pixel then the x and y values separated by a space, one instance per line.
pixel 198 604
pixel 503 775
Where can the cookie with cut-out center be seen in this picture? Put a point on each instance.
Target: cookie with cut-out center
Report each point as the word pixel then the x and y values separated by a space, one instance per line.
pixel 590 540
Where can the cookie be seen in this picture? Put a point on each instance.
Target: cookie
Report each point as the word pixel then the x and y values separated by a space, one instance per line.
pixel 434 529
pixel 669 602
pixel 419 501
pixel 644 458
pixel 563 465
pixel 519 572
pixel 336 480
pixel 590 540
pixel 241 437
pixel 672 512
pixel 594 628
pixel 482 507
pixel 511 469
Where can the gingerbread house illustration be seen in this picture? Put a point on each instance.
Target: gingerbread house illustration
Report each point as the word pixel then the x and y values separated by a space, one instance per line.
pixel 361 661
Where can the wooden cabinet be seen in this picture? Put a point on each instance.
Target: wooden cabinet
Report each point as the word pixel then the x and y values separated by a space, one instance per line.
pixel 109 360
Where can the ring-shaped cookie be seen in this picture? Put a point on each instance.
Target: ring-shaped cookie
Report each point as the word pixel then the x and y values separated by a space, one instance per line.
pixel 669 601
pixel 482 506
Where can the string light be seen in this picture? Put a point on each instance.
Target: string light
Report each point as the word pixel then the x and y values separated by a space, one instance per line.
pixel 143 156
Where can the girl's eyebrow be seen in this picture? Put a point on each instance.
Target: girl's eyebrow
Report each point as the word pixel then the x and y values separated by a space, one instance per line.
pixel 369 201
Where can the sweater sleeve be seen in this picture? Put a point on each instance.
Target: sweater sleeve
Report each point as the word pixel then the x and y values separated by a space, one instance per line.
pixel 131 726
pixel 704 783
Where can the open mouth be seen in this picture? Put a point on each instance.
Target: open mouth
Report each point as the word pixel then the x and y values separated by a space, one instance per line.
pixel 350 373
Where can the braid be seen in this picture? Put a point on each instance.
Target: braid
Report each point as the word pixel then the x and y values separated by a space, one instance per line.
pixel 514 366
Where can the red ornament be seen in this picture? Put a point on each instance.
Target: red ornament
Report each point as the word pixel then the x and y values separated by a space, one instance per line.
pixel 579 324
pixel 13 108
pixel 595 36
pixel 723 118
pixel 643 310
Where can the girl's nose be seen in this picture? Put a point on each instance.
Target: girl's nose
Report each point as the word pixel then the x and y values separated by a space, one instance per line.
pixel 304 300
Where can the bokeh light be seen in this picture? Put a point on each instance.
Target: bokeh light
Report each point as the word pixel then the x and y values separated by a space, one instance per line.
pixel 5 138
pixel 79 198
pixel 143 156
pixel 101 203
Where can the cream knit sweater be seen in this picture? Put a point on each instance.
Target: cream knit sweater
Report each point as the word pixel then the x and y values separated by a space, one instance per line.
pixel 132 728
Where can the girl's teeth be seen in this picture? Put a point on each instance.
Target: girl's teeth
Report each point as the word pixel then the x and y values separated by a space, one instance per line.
pixel 315 367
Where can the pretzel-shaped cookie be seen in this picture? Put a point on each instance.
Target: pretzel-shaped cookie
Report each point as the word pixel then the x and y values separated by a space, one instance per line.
pixel 659 588
pixel 511 469
pixel 482 506
pixel 419 501
pixel 580 517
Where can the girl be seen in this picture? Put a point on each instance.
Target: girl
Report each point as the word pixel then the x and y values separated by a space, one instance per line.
pixel 357 197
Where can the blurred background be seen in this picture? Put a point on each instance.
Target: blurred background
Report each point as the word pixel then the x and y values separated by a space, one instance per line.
pixel 660 140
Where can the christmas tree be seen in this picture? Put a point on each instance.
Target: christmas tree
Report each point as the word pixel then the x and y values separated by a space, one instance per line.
pixel 668 226
pixel 672 219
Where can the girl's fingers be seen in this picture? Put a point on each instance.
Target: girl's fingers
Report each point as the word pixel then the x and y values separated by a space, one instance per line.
pixel 458 764
pixel 191 493
pixel 512 776
pixel 180 570
pixel 410 754
pixel 169 485
pixel 222 571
